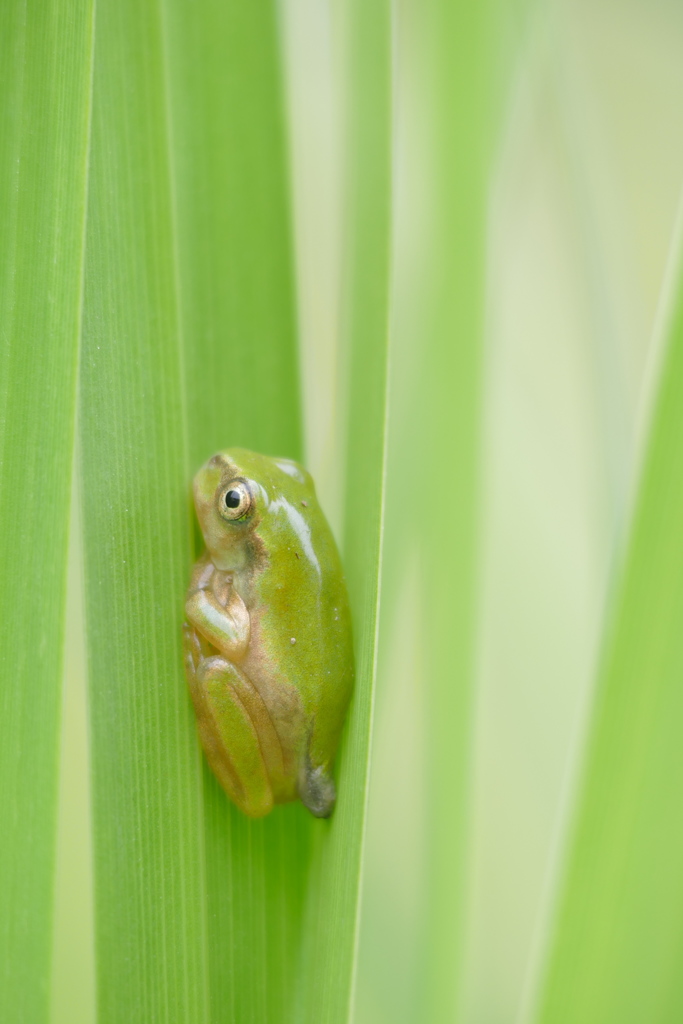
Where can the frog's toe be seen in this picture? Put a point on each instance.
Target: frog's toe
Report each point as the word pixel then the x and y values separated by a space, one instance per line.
pixel 317 792
pixel 192 651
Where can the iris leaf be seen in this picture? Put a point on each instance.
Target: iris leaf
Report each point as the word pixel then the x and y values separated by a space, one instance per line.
pixel 616 947
pixel 45 71
pixel 332 915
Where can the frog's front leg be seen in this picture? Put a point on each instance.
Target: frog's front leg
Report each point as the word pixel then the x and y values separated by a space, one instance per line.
pixel 236 732
pixel 217 612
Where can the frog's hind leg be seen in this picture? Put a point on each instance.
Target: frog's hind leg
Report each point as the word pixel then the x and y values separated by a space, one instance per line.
pixel 228 715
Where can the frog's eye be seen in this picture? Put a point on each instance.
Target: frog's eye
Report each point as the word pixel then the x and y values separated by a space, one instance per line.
pixel 235 501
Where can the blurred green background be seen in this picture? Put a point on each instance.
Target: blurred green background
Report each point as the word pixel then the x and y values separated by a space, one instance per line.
pixel 584 191
pixel 585 163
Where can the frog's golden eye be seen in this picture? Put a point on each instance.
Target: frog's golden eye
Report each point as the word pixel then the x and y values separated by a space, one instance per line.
pixel 235 500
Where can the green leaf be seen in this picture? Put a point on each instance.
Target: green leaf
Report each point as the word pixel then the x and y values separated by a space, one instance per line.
pixel 231 190
pixel 616 951
pixel 455 41
pixel 241 384
pixel 433 476
pixel 413 912
pixel 45 66
pixel 190 347
pixel 331 930
pixel 149 866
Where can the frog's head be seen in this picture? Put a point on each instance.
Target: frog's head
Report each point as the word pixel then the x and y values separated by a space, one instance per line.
pixel 238 491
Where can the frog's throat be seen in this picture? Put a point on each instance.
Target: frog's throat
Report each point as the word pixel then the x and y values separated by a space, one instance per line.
pixel 229 561
pixel 249 556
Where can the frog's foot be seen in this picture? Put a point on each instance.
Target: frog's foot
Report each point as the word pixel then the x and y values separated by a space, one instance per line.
pixel 237 734
pixel 317 791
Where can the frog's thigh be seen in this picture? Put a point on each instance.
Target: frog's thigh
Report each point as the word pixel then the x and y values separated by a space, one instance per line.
pixel 243 770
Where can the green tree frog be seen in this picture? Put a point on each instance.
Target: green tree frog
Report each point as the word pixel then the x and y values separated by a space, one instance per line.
pixel 268 651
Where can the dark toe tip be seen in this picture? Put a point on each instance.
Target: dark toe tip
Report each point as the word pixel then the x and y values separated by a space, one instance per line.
pixel 318 792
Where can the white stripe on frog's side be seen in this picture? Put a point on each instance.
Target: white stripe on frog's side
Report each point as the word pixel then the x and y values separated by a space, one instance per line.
pixel 291 469
pixel 300 527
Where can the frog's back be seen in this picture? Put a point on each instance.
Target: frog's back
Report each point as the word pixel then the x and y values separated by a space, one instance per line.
pixel 299 606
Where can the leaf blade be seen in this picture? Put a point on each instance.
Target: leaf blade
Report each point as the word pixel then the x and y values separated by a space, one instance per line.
pixel 456 49
pixel 617 938
pixel 44 124
pixel 149 899
pixel 241 385
pixel 328 966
